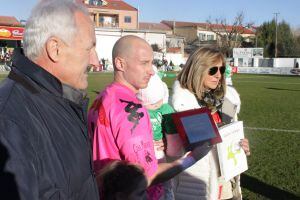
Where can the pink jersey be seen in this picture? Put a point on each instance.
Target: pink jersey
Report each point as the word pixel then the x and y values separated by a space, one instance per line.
pixel 121 130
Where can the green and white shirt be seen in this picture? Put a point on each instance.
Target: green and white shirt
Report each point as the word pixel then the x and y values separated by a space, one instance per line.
pixel 161 121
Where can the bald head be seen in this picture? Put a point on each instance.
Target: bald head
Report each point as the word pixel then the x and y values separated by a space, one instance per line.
pixel 132 59
pixel 125 45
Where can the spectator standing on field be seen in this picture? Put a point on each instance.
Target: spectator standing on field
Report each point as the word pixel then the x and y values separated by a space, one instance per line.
pixel 120 125
pixel 228 75
pixel 201 83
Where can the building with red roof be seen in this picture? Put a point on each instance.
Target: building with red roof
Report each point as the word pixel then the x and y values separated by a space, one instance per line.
pixel 9 21
pixel 174 43
pixel 10 29
pixel 155 27
pixel 206 32
pixel 11 35
pixel 112 13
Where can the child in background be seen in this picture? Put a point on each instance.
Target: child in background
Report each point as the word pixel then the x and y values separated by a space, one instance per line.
pixel 121 180
pixel 155 99
pixel 228 74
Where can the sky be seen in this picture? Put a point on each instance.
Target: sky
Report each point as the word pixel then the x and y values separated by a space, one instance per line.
pixel 255 11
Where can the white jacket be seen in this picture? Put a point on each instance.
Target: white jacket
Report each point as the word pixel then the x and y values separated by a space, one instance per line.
pixel 200 181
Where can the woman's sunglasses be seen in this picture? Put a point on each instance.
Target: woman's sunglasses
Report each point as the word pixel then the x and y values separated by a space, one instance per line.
pixel 213 70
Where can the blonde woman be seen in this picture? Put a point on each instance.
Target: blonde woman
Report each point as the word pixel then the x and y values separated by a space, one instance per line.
pixel 201 83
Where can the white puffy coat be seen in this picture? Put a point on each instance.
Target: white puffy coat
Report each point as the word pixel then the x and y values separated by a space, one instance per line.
pixel 200 181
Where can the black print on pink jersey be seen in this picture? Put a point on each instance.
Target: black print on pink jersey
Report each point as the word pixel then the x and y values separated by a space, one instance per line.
pixel 133 116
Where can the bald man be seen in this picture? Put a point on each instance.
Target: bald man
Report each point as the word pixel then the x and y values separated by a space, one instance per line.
pixel 120 126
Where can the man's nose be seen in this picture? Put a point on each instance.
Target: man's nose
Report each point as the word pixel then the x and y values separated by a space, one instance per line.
pixel 94 61
pixel 151 70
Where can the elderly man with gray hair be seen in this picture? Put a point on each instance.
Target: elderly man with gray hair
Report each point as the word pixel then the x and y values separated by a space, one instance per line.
pixel 45 149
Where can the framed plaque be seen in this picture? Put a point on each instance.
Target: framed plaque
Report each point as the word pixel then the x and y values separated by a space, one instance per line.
pixel 195 127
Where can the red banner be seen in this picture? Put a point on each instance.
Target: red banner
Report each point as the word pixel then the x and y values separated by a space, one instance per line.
pixel 11 33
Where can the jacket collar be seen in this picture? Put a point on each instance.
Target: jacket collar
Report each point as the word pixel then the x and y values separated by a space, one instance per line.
pixel 74 95
pixel 44 79
pixel 182 99
pixel 36 73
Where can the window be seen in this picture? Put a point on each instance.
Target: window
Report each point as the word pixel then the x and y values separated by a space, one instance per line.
pixel 95 2
pixel 202 36
pixel 127 19
pixel 210 37
pixel 101 19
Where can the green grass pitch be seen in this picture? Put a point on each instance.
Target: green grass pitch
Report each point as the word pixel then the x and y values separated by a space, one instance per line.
pixel 271 114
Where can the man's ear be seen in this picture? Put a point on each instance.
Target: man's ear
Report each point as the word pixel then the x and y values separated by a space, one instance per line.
pixel 120 63
pixel 53 46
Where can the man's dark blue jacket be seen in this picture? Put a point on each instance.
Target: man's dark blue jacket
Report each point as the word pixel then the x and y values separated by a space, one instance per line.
pixel 45 149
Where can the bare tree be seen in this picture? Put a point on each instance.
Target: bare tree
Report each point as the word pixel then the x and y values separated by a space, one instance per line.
pixel 229 36
pixel 156 47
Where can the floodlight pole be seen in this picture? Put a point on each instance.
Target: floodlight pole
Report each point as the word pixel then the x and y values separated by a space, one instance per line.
pixel 276 51
pixel 138 15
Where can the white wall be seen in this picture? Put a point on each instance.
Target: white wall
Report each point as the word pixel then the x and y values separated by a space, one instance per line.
pixel 154 38
pixel 255 62
pixel 176 58
pixel 151 38
pixel 284 62
pixel 106 39
pixel 207 33
pixel 158 55
pixel 265 70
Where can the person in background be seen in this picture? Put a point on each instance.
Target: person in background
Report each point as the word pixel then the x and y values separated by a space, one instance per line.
pixel 230 108
pixel 155 98
pixel 119 124
pixel 43 107
pixel 121 180
pixel 228 75
pixel 201 83
pixel 103 64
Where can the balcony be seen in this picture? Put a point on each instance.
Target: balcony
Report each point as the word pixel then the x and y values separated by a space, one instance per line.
pixel 108 25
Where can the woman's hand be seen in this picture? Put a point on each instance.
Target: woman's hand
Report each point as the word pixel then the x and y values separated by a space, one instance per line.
pixel 245 146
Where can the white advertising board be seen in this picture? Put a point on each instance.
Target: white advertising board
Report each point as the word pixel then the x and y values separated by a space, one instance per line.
pixel 248 52
pixel 242 52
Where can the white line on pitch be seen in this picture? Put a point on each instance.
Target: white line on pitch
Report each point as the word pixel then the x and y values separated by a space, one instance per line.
pixel 287 83
pixel 273 129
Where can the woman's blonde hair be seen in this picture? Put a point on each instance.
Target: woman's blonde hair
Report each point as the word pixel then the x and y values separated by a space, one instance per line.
pixel 192 75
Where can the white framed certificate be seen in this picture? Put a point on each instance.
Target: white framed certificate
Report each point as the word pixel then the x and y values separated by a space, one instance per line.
pixel 232 158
